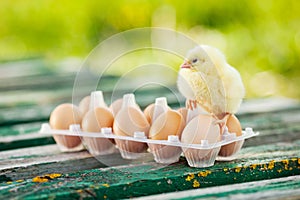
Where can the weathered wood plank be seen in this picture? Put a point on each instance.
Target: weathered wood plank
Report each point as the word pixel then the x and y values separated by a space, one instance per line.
pixel 20 129
pixel 21 68
pixel 278 188
pixel 25 140
pixel 24 114
pixel 50 154
pixel 30 162
pixel 44 101
pixel 266 105
pixel 253 164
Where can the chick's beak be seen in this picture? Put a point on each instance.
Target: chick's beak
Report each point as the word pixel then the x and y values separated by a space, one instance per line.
pixel 186 65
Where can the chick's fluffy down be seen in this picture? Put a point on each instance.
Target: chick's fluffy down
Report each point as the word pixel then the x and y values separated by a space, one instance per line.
pixel 211 81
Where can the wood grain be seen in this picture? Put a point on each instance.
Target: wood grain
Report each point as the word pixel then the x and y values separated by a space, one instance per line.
pixel 252 164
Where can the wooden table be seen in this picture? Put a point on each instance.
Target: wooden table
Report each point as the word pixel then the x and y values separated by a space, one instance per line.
pixel 32 167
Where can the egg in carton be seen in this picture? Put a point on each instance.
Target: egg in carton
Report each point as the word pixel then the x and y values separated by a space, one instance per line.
pixel 167 126
pixel 116 105
pixel 201 137
pixel 205 137
pixel 131 122
pixel 232 129
pixel 97 117
pixel 61 118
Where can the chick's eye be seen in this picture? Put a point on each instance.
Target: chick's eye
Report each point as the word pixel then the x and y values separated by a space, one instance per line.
pixel 195 60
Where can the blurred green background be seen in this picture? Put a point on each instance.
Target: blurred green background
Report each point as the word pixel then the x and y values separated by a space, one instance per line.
pixel 260 38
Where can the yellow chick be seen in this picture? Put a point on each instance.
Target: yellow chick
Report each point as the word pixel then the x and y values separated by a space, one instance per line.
pixel 206 79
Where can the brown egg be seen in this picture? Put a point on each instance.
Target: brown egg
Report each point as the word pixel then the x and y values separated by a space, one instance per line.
pixel 96 119
pixel 93 121
pixel 200 128
pixel 129 120
pixel 168 123
pixel 153 110
pixel 183 111
pixel 84 105
pixel 148 112
pixel 61 118
pixel 116 106
pixel 234 126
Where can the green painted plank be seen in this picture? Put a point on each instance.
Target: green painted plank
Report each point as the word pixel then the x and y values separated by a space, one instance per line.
pixel 48 157
pixel 54 88
pixel 33 82
pixel 278 188
pixel 11 99
pixel 23 142
pixel 22 135
pixel 24 114
pixel 52 80
pixel 275 119
pixel 275 135
pixel 31 162
pixel 20 129
pixel 255 163
pixel 44 91
pixel 266 105
pixel 21 68
pixel 36 155
pixel 41 110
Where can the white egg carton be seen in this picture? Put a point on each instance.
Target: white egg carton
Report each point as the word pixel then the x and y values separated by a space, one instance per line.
pixel 164 151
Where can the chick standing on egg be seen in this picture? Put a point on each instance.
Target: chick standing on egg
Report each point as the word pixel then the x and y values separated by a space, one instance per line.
pixel 205 78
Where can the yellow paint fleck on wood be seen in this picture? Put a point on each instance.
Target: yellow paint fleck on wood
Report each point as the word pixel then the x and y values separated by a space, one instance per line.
pixel 286 164
pixel 39 179
pixel 237 169
pixel 105 185
pixel 45 178
pixel 196 184
pixel 204 173
pixel 52 176
pixel 286 161
pixel 253 166
pixel 190 177
pixel 294 159
pixel 265 166
pixel 271 165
